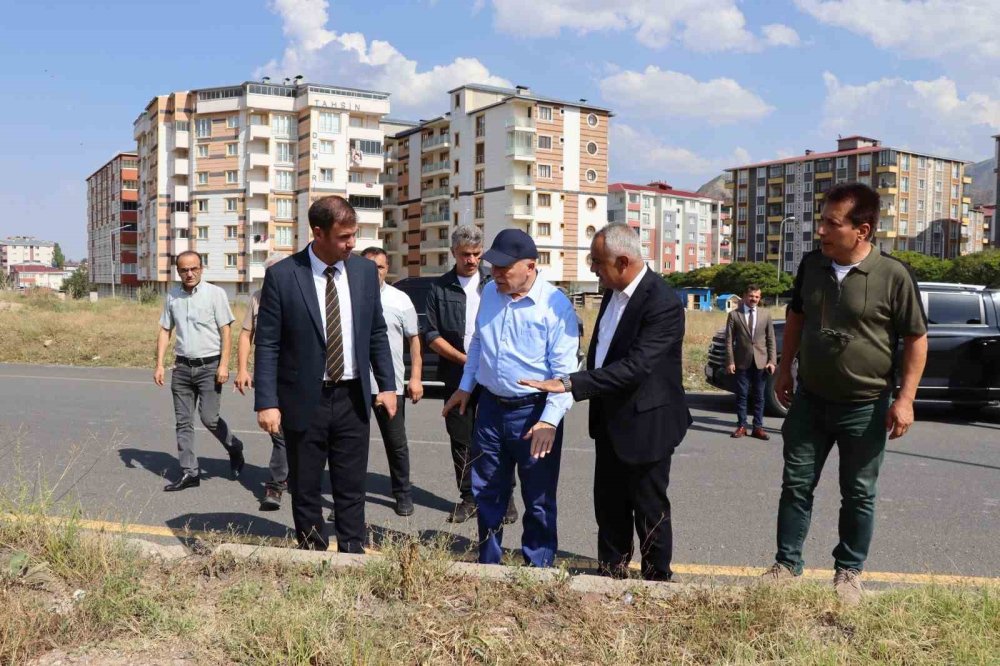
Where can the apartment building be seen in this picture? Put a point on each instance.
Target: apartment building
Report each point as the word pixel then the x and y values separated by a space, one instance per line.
pixel 777 203
pixel 994 232
pixel 976 234
pixel 989 226
pixel 112 210
pixel 230 173
pixel 679 230
pixel 499 158
pixel 25 251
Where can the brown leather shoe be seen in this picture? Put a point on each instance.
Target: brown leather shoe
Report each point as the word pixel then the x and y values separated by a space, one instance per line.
pixel 758 433
pixel 739 432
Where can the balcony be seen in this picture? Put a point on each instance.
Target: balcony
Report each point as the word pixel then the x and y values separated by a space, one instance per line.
pixel 888 190
pixel 258 160
pixel 364 189
pixel 521 123
pixel 436 193
pixel 526 153
pixel 389 179
pixel 435 218
pixel 255 187
pixel 258 215
pixel 180 220
pixel 523 182
pixel 181 193
pixel 390 202
pixel 885 233
pixel 367 161
pixel 390 156
pixel 887 168
pixel 776 200
pixel 438 142
pixel 181 166
pixel 435 244
pixel 182 138
pixel 777 180
pixel 435 168
pixel 967 180
pixel 820 175
pixel 525 212
pixel 259 132
pixel 256 271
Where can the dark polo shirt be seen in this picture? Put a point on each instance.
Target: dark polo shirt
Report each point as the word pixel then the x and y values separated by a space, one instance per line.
pixel 851 329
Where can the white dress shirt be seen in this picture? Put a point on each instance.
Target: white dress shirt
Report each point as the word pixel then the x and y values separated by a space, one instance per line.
pixel 470 285
pixel 346 313
pixel 750 314
pixel 612 316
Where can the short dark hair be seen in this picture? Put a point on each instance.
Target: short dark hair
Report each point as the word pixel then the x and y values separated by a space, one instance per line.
pixel 373 251
pixel 186 253
pixel 751 287
pixel 866 202
pixel 330 210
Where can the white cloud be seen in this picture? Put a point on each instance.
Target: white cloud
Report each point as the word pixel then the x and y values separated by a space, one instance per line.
pixel 323 55
pixel 663 93
pixel 937 118
pixel 640 156
pixel 922 29
pixel 699 25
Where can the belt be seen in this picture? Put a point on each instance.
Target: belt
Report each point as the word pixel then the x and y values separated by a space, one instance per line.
pixel 518 401
pixel 196 362
pixel 342 383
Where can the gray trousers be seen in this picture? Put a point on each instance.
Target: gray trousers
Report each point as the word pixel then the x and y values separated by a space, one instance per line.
pixel 279 462
pixel 191 387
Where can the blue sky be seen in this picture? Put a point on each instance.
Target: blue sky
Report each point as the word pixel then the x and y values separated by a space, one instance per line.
pixel 696 85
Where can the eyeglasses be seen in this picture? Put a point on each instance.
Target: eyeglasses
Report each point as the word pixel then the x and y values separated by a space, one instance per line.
pixel 837 339
pixel 189 270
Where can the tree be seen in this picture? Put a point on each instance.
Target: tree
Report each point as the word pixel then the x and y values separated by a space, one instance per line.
pixel 78 284
pixel 976 268
pixel 925 267
pixel 58 260
pixel 734 278
pixel 699 277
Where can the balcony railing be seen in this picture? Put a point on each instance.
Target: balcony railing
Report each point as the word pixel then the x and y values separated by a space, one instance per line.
pixel 521 181
pixel 436 166
pixel 521 211
pixel 521 151
pixel 433 142
pixel 387 178
pixel 435 192
pixel 518 122
pixel 431 218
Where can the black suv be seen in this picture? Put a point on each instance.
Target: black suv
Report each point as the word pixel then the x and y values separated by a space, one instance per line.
pixel 417 289
pixel 963 355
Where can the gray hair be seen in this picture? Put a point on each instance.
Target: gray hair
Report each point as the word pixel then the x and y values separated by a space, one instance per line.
pixel 273 259
pixel 621 240
pixel 467 234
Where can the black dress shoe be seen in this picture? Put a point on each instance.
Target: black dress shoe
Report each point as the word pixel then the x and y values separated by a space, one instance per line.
pixel 186 481
pixel 462 512
pixel 236 462
pixel 404 505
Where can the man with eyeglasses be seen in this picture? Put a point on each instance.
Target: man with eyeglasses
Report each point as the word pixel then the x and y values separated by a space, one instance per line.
pixel 851 305
pixel 200 314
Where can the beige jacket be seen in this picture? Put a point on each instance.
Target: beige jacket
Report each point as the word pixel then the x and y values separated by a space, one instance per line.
pixel 741 349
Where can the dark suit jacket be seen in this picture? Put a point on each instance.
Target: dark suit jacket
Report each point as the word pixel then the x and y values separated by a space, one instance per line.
pixel 290 356
pixel 637 399
pixel 741 349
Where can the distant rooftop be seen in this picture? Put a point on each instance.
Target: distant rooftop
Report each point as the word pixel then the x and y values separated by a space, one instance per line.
pixel 26 240
pixel 525 93
pixel 659 188
pixel 812 155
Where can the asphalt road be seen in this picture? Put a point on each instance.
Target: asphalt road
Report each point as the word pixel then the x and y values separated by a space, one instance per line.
pixel 104 438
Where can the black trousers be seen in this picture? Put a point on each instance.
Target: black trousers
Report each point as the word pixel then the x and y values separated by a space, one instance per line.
pixel 632 495
pixel 397 451
pixel 460 428
pixel 338 436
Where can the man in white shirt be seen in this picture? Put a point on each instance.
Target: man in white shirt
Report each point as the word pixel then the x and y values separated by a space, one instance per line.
pixel 401 322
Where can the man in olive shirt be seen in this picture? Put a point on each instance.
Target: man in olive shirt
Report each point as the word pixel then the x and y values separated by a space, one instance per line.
pixel 200 314
pixel 850 306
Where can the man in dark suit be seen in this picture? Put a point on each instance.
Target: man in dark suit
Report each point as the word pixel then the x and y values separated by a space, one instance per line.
pixel 638 412
pixel 319 328
pixel 750 353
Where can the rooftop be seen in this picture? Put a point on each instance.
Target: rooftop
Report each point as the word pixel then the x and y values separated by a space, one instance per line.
pixel 842 153
pixel 26 240
pixel 659 188
pixel 525 93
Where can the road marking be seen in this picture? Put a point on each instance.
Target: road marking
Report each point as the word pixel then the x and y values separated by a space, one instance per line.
pixel 79 379
pixel 708 570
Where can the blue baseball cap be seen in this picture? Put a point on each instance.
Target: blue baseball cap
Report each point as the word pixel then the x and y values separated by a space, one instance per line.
pixel 509 246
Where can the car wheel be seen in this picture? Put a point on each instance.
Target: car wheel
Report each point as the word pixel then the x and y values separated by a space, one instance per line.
pixel 771 404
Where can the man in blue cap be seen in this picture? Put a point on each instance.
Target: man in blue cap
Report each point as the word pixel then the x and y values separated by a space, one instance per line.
pixel 525 328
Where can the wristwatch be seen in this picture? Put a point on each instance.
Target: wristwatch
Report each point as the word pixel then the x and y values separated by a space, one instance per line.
pixel 567 384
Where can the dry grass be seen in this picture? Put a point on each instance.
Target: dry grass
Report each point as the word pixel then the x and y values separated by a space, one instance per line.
pixel 407 608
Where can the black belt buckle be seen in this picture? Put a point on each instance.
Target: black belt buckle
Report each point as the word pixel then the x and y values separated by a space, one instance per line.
pixel 519 401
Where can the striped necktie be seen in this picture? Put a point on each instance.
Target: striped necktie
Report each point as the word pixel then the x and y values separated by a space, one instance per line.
pixel 334 335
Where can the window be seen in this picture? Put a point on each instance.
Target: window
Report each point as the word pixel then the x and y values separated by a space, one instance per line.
pixel 921 184
pixel 480 126
pixel 182 234
pixel 231 204
pixel 230 260
pixel 921 162
pixel 282 180
pixel 204 260
pixel 920 204
pixel 457 143
pixel 591 148
pixel 480 153
pixel 202 150
pixel 865 163
pixel 326 147
pixel 355 177
pixel 954 191
pixel 591 176
pixel 256 119
pixel 904 162
pixel 954 211
pixel 590 232
pixel 232 149
pixel 904 205
pixel 283 208
pixel 544 142
pixel 458 100
pixel 203 127
pixel 954 309
pixel 130 184
pixel 592 120
pixel 201 205
pixel 544 170
pixel 544 200
pixel 937 186
pixel 904 184
pixel 202 233
pixel 367 146
pixel 203 178
pixel 456 167
pixel 480 208
pixel 954 171
pixel 544 258
pixel 283 236
pixel 283 151
pixel 591 203
pixel 233 122
pixel 232 231
pixel 328 122
pixel 325 175
pixel 545 113
pixel 544 228
pixel 231 177
pixel 282 126
pixel 480 181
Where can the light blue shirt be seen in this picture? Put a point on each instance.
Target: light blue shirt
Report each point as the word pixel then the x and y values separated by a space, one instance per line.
pixel 534 337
